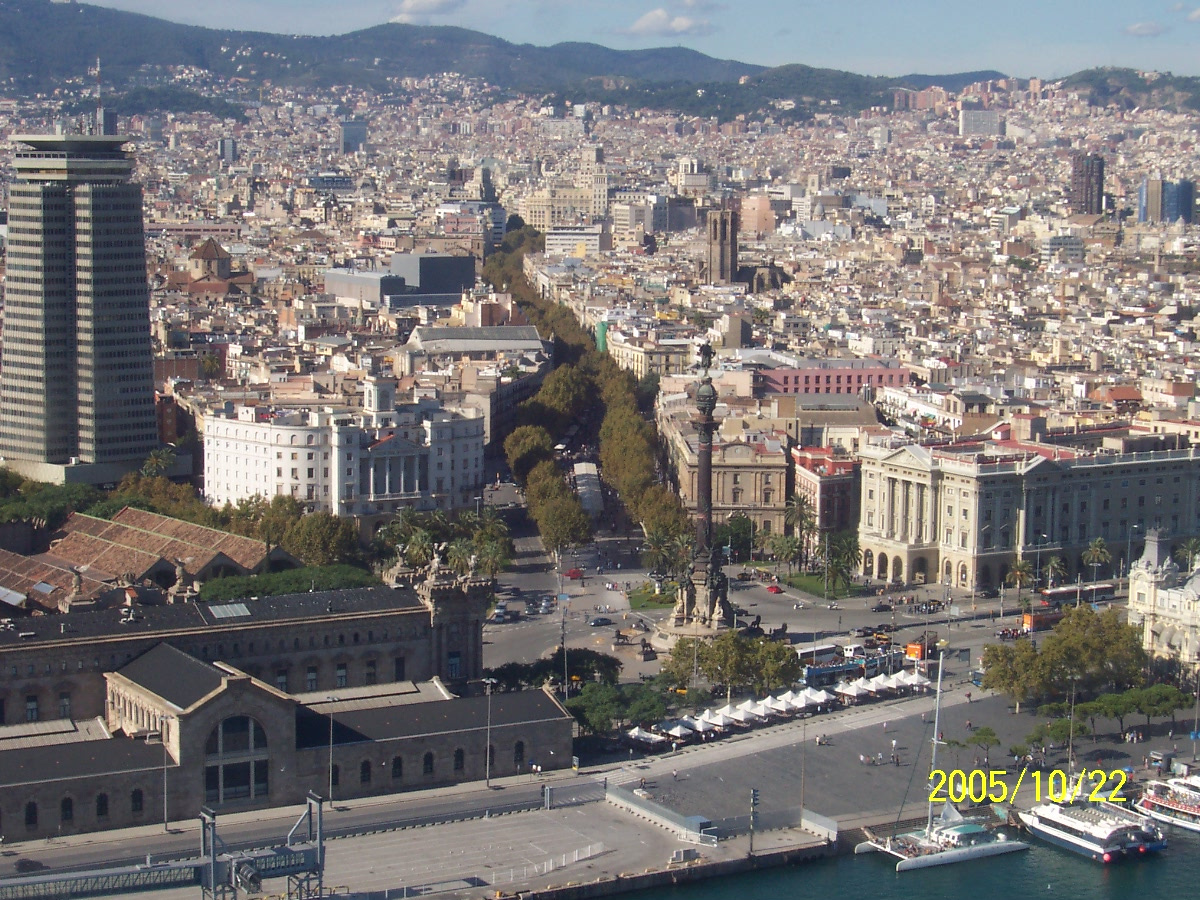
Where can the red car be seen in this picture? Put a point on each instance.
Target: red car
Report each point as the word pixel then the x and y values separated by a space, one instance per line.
pixel 774 589
pixel 574 573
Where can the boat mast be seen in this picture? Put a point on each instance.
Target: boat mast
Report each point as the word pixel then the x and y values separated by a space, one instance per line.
pixel 937 716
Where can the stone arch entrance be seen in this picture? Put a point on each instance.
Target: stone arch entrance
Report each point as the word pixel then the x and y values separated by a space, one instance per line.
pixel 920 570
pixel 947 572
pixel 882 567
pixel 897 569
pixel 868 563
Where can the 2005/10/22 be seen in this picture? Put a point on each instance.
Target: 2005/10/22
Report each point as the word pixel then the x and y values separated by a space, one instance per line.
pixel 979 785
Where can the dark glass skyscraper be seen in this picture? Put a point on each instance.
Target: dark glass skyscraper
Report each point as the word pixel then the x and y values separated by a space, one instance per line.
pixel 76 386
pixel 1087 184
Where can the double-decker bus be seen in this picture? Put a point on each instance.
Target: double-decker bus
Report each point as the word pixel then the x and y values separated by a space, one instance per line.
pixel 1070 594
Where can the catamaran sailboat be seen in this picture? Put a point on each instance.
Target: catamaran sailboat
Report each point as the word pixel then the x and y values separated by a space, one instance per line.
pixel 949 838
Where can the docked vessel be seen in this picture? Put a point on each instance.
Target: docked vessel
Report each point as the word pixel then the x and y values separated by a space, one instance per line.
pixel 949 838
pixel 1175 801
pixel 1094 831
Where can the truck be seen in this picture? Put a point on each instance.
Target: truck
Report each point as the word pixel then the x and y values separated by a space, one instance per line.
pixel 924 647
pixel 1040 621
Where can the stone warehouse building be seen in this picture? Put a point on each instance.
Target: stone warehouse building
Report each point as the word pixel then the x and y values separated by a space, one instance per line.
pixel 252 704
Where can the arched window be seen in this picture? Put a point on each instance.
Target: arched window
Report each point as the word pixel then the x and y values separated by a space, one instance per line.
pixel 235 761
pixel 460 760
pixel 427 764
pixel 137 801
pixel 66 810
pixel 31 815
pixel 364 772
pixel 519 754
pixel 397 767
pixel 102 806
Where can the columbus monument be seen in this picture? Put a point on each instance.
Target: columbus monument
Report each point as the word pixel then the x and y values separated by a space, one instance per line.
pixel 702 605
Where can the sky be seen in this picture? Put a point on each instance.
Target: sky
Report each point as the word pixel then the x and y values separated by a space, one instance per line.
pixel 1025 38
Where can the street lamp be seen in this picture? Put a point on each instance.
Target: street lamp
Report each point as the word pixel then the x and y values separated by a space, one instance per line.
pixel 1129 555
pixel 162 736
pixel 1037 574
pixel 487 750
pixel 331 699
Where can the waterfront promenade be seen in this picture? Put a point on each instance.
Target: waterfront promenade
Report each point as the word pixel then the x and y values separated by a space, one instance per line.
pixel 594 841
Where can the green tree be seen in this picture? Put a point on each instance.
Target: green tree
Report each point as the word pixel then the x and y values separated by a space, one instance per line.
pixel 1096 555
pixel 1187 553
pixel 459 554
pixel 774 665
pixel 418 551
pixel 1056 570
pixel 210 367
pixel 800 516
pixel 643 704
pixel 984 738
pixel 321 539
pixel 845 558
pixel 1160 700
pixel 492 558
pixel 158 462
pixel 1097 649
pixel 596 707
pixel 727 661
pixel 785 548
pixel 1018 576
pixel 563 523
pixel 525 448
pixel 1117 706
pixel 677 670
pixel 1013 669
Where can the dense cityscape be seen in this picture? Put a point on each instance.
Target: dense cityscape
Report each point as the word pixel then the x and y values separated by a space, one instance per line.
pixel 459 450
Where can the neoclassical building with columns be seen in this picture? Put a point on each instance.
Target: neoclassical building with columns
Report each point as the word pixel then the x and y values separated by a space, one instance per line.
pixel 1165 601
pixel 961 513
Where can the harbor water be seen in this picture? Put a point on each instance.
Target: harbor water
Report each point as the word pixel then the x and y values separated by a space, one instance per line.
pixel 1043 871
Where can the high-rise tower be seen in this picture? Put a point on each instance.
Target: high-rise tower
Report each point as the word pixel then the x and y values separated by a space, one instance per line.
pixel 76 385
pixel 1087 184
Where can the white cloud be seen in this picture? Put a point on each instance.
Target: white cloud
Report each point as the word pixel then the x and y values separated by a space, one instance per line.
pixel 1194 15
pixel 419 12
pixel 1144 29
pixel 701 5
pixel 660 23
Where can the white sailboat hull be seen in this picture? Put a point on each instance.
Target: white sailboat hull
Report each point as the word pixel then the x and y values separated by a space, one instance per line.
pixel 960 854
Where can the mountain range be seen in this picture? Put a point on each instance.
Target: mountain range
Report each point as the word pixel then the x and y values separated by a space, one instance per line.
pixel 44 44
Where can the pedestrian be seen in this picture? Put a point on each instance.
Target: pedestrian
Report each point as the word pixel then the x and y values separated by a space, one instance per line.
pixel 968 696
pixel 674 774
pixel 861 759
pixel 968 724
pixel 642 783
pixel 885 727
pixel 922 718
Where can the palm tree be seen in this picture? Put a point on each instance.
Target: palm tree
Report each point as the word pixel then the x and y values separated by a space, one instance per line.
pixel 1188 553
pixel 680 551
pixel 158 462
pixel 786 548
pixel 1096 555
pixel 418 550
pixel 657 549
pixel 1020 575
pixel 845 557
pixel 491 559
pixel 1056 569
pixel 459 554
pixel 801 518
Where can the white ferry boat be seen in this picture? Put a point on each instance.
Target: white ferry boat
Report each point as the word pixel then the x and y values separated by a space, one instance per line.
pixel 1175 801
pixel 1093 831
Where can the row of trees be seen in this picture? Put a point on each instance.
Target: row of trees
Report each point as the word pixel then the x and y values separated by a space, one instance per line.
pixel 585 379
pixel 1087 651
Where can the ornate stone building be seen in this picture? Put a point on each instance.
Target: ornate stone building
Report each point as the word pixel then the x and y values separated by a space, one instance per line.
pixel 120 717
pixel 1166 603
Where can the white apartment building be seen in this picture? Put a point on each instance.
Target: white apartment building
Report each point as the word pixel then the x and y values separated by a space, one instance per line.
pixel 359 463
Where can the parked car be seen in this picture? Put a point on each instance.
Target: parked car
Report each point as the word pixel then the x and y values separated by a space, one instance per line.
pixel 774 589
pixel 881 607
pixel 600 622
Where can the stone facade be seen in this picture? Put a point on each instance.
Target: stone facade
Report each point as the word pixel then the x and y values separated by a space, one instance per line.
pixel 1166 603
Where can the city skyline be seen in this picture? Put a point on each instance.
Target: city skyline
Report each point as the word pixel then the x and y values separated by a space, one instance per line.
pixel 927 36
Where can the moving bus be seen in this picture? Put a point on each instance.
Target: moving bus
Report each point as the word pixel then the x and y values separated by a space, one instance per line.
pixel 1070 594
pixel 819 655
pixel 1040 621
